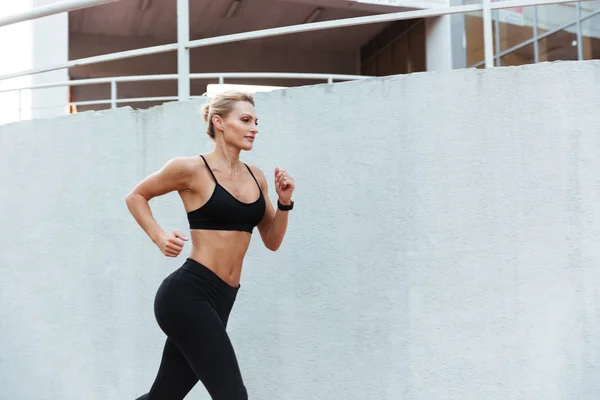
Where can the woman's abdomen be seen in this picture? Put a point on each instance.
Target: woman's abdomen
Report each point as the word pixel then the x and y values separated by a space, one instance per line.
pixel 222 252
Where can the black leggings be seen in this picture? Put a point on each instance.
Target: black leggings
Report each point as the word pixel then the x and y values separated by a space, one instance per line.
pixel 192 307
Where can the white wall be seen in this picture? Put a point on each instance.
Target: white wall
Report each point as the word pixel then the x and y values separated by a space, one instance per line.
pixel 28 45
pixel 444 243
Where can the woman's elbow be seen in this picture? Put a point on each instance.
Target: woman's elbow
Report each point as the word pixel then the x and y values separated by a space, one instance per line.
pixel 133 199
pixel 273 246
pixel 130 198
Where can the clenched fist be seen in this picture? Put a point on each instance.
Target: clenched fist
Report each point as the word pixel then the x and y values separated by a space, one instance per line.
pixel 284 185
pixel 171 244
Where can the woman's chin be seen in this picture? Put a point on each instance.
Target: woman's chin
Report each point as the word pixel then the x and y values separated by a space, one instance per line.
pixel 246 145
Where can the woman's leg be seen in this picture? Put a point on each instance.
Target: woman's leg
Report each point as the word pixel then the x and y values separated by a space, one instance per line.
pixel 192 307
pixel 198 347
pixel 174 379
pixel 199 333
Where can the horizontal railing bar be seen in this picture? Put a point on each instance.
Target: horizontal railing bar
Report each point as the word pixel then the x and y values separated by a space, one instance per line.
pixel 144 99
pixel 50 9
pixel 88 103
pixel 95 81
pixel 277 75
pixel 128 100
pixel 339 23
pixel 96 59
pixel 373 19
pixel 210 75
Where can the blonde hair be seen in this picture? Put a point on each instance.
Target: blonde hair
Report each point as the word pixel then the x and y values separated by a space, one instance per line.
pixel 221 105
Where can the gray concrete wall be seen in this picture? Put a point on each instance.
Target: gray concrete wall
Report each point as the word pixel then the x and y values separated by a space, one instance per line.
pixel 444 243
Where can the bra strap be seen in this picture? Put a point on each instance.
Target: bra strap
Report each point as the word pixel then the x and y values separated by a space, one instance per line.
pixel 209 170
pixel 249 170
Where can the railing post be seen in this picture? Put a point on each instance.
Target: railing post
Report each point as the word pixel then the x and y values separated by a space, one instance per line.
pixel 113 94
pixel 536 45
pixel 488 44
pixel 183 51
pixel 330 80
pixel 497 37
pixel 579 35
pixel 221 79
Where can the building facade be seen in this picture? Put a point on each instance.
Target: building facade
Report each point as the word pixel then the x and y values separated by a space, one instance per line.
pixel 521 36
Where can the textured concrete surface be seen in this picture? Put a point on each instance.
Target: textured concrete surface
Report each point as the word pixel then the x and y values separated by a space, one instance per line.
pixel 444 243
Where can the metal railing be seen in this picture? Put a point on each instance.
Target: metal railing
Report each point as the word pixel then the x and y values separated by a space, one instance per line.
pixel 219 77
pixel 51 9
pixel 184 45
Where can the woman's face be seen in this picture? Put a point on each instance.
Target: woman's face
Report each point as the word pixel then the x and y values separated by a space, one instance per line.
pixel 240 126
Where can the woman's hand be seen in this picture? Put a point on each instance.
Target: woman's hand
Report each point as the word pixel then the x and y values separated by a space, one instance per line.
pixel 171 244
pixel 284 185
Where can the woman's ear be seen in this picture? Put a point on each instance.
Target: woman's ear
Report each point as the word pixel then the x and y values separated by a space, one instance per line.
pixel 218 122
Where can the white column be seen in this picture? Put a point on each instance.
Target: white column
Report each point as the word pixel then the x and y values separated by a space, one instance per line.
pixel 15 48
pixel 31 44
pixel 183 53
pixel 439 43
pixel 488 35
pixel 50 47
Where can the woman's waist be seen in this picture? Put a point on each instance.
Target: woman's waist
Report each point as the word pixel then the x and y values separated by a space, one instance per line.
pixel 198 276
pixel 219 247
pixel 223 253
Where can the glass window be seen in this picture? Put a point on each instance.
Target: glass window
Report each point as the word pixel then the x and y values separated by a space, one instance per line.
pixel 523 55
pixel 513 27
pixel 590 30
pixel 562 44
pixel 474 38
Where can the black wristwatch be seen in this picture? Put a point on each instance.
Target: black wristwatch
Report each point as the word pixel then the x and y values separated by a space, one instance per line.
pixel 283 207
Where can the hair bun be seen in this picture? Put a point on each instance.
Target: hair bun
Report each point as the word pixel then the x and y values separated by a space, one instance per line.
pixel 205 112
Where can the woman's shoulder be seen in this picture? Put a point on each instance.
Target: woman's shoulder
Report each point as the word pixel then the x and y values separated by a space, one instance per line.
pixel 258 173
pixel 184 164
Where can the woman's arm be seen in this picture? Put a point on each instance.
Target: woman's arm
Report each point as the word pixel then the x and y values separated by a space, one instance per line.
pixel 274 224
pixel 174 175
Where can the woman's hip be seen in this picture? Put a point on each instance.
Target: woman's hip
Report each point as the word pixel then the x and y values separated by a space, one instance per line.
pixel 191 287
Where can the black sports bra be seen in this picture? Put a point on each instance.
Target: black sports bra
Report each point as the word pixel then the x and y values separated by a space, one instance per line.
pixel 223 211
